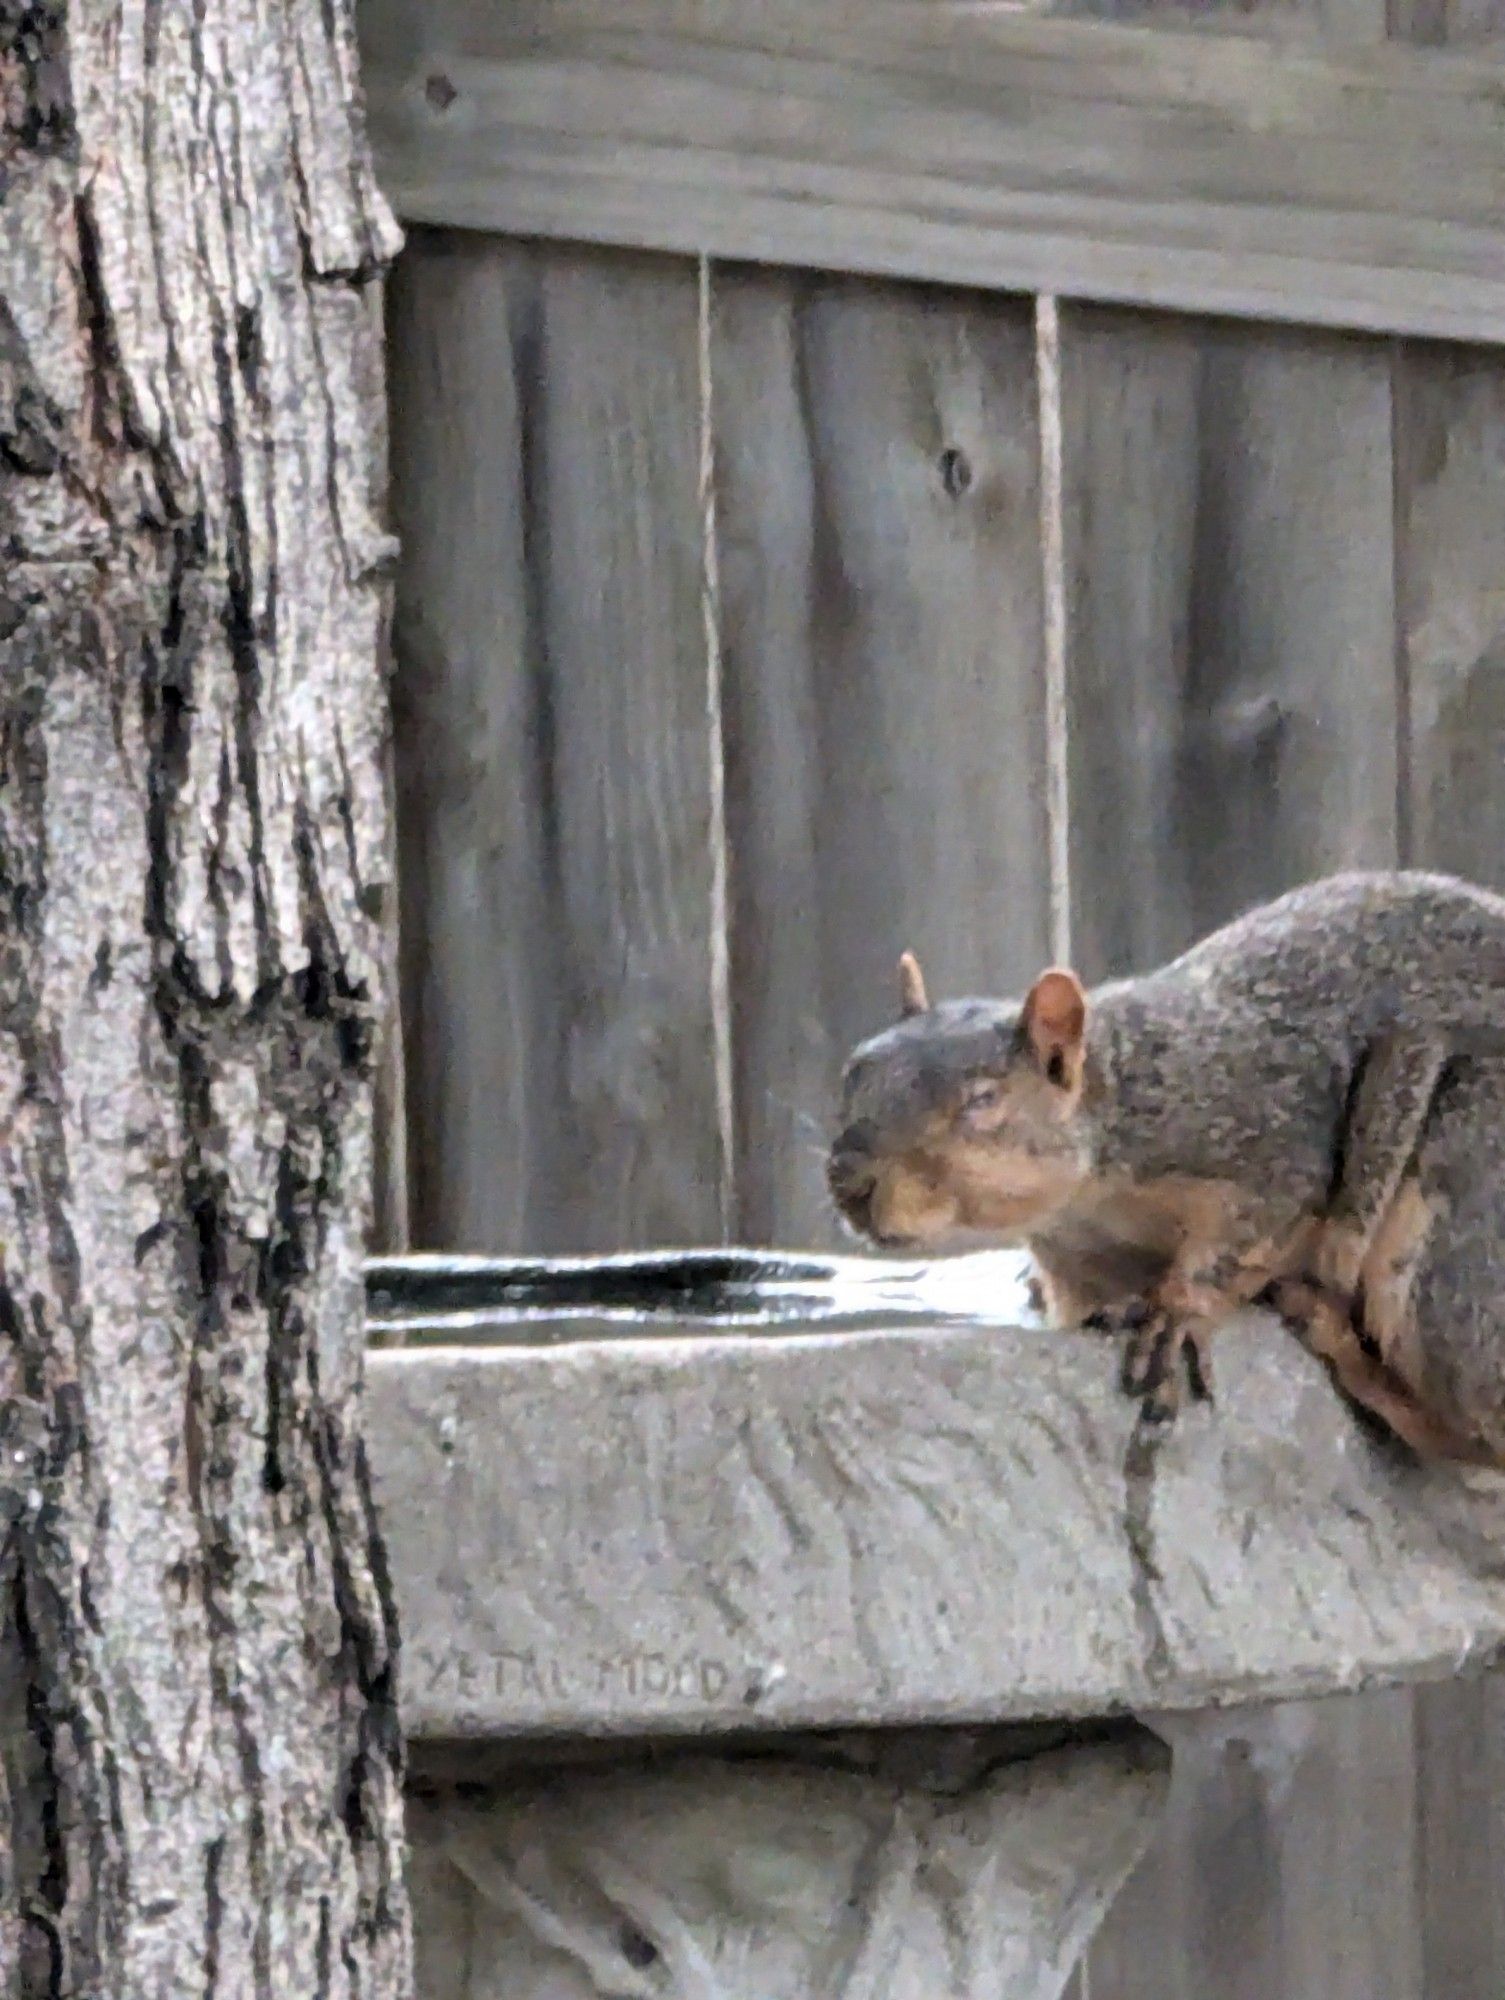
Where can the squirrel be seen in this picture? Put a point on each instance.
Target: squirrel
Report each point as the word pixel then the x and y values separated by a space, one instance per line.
pixel 1305 1110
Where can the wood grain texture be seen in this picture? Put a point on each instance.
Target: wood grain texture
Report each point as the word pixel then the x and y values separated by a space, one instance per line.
pixel 1234 17
pixel 1450 421
pixel 1450 550
pixel 1345 185
pixel 1231 684
pixel 470 815
pixel 554 753
pixel 1232 703
pixel 388 1231
pixel 877 506
pixel 1283 1866
pixel 1460 25
pixel 1348 21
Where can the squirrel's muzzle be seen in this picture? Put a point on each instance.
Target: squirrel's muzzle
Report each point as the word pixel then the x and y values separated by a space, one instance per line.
pixel 852 1175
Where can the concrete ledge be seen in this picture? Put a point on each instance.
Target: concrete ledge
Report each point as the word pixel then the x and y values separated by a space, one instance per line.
pixel 913 1520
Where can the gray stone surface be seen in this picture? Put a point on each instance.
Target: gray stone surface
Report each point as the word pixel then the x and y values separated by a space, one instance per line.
pixel 909 1871
pixel 903 1525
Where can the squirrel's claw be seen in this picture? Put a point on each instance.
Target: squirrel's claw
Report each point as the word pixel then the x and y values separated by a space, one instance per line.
pixel 1148 1354
pixel 1198 1368
pixel 1158 1350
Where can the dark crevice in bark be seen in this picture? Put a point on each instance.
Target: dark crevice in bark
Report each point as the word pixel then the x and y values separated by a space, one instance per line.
pixel 332 454
pixel 283 1269
pixel 31 425
pixel 220 890
pixel 343 806
pixel 322 1953
pixel 37 94
pixel 368 1654
pixel 49 1896
pixel 115 419
pixel 166 689
pixel 239 620
pixel 151 36
pixel 214 1915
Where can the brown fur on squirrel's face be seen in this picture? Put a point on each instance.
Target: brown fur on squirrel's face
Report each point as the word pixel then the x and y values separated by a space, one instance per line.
pixel 963 1120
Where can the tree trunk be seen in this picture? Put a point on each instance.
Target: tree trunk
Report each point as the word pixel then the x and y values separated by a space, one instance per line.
pixel 202 1770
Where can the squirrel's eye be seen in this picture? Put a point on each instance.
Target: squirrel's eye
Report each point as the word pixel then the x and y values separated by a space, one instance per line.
pixel 982 1094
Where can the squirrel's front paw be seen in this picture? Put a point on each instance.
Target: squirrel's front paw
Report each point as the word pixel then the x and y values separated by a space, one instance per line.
pixel 1338 1260
pixel 1127 1316
pixel 1160 1351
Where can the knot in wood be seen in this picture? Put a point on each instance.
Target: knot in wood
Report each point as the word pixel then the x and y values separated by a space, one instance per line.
pixel 956 471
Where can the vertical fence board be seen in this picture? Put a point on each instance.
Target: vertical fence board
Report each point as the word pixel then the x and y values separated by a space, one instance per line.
pixel 1233 728
pixel 1231 690
pixel 388 1233
pixel 1450 547
pixel 555 801
pixel 470 864
pixel 877 478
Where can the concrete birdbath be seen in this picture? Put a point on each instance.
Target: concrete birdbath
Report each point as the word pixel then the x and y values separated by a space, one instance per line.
pixel 773 1626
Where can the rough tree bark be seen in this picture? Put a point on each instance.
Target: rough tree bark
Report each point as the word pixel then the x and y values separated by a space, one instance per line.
pixel 202 1770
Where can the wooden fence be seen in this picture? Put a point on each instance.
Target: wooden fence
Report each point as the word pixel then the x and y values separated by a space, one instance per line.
pixel 769 603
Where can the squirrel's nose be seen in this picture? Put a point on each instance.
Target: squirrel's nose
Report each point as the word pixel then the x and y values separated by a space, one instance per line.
pixel 850 1175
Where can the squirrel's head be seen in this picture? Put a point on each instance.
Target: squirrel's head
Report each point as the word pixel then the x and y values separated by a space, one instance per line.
pixel 964 1119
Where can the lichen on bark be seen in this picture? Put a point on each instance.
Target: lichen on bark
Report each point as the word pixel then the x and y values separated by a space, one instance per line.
pixel 201 1781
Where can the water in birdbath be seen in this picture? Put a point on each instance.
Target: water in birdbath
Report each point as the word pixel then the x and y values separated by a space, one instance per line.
pixel 438 1300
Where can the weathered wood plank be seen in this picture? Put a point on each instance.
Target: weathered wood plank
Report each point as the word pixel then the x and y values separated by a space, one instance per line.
pixel 1450 544
pixel 1282 1866
pixel 1477 25
pixel 1354 23
pixel 1231 697
pixel 388 1230
pixel 1284 18
pixel 553 752
pixel 955 143
pixel 1450 422
pixel 465 731
pixel 1227 524
pixel 877 504
pixel 1350 21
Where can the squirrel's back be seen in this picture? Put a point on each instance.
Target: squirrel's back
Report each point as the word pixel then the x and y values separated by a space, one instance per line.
pixel 1356 954
pixel 1250 1040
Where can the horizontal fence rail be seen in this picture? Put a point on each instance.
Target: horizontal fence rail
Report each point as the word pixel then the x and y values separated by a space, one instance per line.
pixel 1336 185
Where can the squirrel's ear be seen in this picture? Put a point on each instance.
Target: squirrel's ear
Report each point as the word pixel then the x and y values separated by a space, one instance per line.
pixel 1054 1022
pixel 912 996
